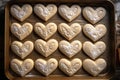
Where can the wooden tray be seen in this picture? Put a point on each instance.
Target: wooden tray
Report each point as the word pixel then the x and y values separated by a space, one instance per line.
pixel 109 39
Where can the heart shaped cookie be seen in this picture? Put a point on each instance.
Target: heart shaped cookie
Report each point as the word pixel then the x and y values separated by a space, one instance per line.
pixel 46 67
pixel 94 67
pixel 46 48
pixel 70 67
pixel 23 31
pixel 69 32
pixel 22 50
pixel 45 13
pixel 94 33
pixel 94 50
pixel 93 16
pixel 69 13
pixel 47 31
pixel 21 13
pixel 22 67
pixel 70 49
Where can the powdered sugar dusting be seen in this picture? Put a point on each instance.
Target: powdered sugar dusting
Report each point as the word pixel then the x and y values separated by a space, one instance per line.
pixel 20 31
pixel 46 68
pixel 70 68
pixel 22 69
pixel 44 11
pixel 68 49
pixel 92 17
pixel 94 51
pixel 67 32
pixel 69 13
pixel 45 31
pixel 19 14
pixel 93 33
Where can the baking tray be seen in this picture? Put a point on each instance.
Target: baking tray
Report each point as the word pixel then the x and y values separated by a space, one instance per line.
pixel 109 39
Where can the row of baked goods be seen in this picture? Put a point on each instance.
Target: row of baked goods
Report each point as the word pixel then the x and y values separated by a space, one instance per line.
pixel 66 12
pixel 69 32
pixel 47 67
pixel 46 48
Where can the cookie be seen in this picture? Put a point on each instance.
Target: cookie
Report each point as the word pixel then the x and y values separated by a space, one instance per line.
pixel 22 67
pixel 94 50
pixel 69 13
pixel 46 48
pixel 22 49
pixel 21 32
pixel 69 32
pixel 70 67
pixel 47 31
pixel 21 13
pixel 45 13
pixel 70 49
pixel 94 33
pixel 46 67
pixel 94 67
pixel 94 16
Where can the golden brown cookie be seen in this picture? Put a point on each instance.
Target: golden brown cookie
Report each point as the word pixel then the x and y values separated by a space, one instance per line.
pixel 22 67
pixel 47 31
pixel 94 67
pixel 70 67
pixel 22 49
pixel 23 31
pixel 94 33
pixel 21 13
pixel 94 16
pixel 69 32
pixel 70 49
pixel 46 48
pixel 45 13
pixel 69 13
pixel 46 67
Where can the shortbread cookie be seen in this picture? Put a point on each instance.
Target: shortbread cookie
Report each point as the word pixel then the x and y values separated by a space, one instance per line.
pixel 69 32
pixel 21 13
pixel 46 48
pixel 70 67
pixel 46 67
pixel 94 33
pixel 45 13
pixel 47 31
pixel 69 13
pixel 23 31
pixel 22 67
pixel 22 49
pixel 94 67
pixel 93 16
pixel 94 50
pixel 70 49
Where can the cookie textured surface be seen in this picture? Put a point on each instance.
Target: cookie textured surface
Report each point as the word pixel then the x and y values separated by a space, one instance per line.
pixel 70 49
pixel 94 16
pixel 22 67
pixel 94 67
pixel 45 13
pixel 21 32
pixel 69 32
pixel 46 67
pixel 47 31
pixel 94 33
pixel 69 13
pixel 46 48
pixel 94 50
pixel 70 67
pixel 22 49
pixel 21 13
